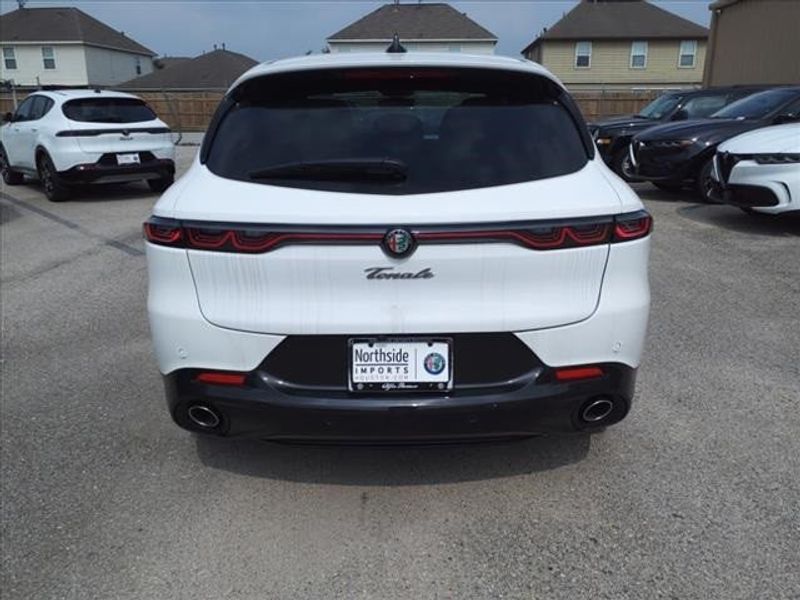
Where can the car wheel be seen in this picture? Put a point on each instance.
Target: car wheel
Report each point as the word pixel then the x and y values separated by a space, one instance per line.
pixel 704 182
pixel 160 184
pixel 621 165
pixel 9 177
pixel 54 189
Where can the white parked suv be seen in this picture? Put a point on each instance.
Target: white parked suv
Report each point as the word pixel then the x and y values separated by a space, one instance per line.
pixel 759 171
pixel 68 137
pixel 398 247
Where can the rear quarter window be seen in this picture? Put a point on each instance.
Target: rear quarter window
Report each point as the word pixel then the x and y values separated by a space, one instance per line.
pixel 108 110
pixel 453 129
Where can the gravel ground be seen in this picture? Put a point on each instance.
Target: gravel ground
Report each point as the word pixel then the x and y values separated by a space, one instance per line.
pixel 695 495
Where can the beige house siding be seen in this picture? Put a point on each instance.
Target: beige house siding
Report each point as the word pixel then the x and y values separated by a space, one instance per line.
pixel 771 54
pixel 610 65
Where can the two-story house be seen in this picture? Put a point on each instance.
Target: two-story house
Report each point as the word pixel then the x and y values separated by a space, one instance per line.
pixel 428 27
pixel 67 47
pixel 622 45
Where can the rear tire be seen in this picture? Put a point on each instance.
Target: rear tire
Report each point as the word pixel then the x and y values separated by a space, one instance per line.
pixel 54 189
pixel 10 177
pixel 704 181
pixel 160 184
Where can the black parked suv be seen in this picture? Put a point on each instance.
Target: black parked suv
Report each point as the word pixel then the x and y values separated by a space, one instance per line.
pixel 614 134
pixel 677 155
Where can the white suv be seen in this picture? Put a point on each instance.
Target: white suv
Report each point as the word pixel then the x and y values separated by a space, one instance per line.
pixel 69 137
pixel 386 247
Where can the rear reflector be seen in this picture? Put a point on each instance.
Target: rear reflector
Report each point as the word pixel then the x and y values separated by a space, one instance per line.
pixel 537 235
pixel 220 378
pixel 575 373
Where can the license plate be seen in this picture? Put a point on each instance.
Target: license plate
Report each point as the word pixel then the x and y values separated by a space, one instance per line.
pixel 399 365
pixel 128 159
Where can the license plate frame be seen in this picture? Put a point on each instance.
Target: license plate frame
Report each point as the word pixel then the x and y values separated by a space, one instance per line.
pixel 389 384
pixel 129 158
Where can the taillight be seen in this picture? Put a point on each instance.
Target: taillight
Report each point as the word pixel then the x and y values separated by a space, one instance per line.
pixel 257 239
pixel 632 227
pixel 163 231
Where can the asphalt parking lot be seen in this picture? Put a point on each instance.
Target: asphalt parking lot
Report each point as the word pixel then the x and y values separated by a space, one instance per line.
pixel 695 495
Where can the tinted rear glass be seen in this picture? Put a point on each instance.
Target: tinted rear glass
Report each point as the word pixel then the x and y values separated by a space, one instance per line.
pixel 453 128
pixel 108 110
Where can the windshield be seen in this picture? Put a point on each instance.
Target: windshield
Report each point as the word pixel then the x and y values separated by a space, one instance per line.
pixel 396 131
pixel 756 106
pixel 660 107
pixel 108 110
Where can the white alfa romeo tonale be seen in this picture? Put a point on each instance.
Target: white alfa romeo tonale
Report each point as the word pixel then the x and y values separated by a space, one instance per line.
pixel 398 247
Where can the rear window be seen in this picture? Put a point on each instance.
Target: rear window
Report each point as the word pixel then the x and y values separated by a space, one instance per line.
pixel 108 110
pixel 440 129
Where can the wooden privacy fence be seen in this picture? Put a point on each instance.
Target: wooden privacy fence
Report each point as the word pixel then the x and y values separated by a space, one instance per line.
pixel 188 110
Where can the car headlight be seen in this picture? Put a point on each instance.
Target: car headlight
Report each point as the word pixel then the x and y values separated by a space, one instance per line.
pixel 777 159
pixel 603 141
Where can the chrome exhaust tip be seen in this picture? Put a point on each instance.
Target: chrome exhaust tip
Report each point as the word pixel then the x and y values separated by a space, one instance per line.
pixel 203 416
pixel 596 410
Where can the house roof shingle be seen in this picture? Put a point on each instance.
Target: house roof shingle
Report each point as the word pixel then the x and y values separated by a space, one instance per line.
pixel 621 20
pixel 213 70
pixel 65 25
pixel 414 22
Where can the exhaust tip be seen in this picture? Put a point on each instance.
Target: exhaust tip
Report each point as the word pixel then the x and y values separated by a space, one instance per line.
pixel 596 410
pixel 203 416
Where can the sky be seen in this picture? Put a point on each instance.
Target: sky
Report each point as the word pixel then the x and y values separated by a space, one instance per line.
pixel 270 29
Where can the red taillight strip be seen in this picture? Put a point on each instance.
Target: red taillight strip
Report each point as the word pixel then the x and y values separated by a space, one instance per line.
pixel 274 240
pixel 257 239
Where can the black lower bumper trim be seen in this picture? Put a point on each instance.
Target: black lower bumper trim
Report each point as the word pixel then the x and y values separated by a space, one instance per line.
pixel 538 405
pixel 747 196
pixel 96 172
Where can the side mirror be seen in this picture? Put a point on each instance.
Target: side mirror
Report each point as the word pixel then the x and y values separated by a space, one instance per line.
pixel 786 118
pixel 8 117
pixel 680 115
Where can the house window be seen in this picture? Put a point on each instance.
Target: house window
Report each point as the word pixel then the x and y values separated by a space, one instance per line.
pixel 638 55
pixel 583 55
pixel 9 58
pixel 48 57
pixel 454 48
pixel 138 66
pixel 688 54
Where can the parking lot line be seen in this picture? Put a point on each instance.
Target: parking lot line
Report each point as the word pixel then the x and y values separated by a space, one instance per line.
pixel 130 250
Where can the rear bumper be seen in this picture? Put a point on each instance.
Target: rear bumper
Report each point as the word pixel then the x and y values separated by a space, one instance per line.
pixel 535 405
pixel 100 173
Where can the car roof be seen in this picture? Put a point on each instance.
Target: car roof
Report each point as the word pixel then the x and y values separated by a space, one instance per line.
pixel 72 94
pixel 728 88
pixel 386 59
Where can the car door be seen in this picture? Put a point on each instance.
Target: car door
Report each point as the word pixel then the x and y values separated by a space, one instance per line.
pixel 29 130
pixel 16 131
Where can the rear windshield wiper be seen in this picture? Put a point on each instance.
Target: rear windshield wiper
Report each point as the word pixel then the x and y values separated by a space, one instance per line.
pixel 356 169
